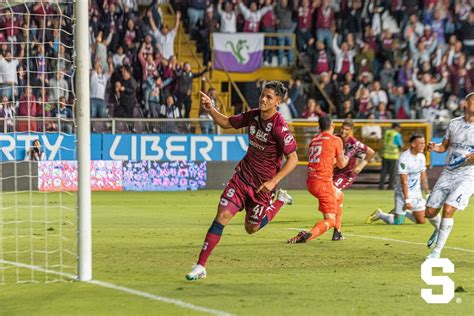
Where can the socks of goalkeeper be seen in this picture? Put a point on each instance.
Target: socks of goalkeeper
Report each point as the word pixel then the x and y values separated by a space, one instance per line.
pixel 321 227
pixel 212 239
pixel 387 218
pixel 270 213
pixel 444 231
pixel 435 221
pixel 339 202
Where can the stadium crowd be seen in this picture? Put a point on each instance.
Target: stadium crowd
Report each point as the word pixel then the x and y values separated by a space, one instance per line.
pixel 401 59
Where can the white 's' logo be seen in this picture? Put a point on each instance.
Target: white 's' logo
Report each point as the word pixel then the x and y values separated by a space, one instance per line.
pixel 430 279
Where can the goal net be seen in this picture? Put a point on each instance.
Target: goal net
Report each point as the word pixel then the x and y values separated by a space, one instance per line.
pixel 38 160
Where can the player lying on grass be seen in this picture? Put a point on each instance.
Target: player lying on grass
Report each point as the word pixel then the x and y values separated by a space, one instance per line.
pixel 324 149
pixel 257 174
pixel 412 180
pixel 455 186
pixel 344 177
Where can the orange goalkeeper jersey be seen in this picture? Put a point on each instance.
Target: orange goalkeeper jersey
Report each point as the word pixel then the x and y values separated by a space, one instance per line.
pixel 322 151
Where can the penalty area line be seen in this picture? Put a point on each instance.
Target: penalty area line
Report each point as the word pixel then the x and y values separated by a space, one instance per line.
pixel 124 289
pixel 397 240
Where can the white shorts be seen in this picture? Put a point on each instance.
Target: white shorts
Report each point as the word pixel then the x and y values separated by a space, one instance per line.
pixel 418 204
pixel 454 191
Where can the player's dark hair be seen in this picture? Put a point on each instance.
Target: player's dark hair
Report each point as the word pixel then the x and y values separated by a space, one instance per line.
pixel 469 95
pixel 278 87
pixel 325 123
pixel 348 122
pixel 415 137
pixel 395 125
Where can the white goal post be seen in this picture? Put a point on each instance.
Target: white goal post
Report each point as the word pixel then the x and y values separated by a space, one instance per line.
pixel 44 231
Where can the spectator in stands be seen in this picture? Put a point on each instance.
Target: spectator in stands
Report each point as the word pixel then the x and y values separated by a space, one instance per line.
pixel 203 44
pixel 100 50
pixel 184 80
pixel 466 33
pixel 58 87
pixel 7 112
pixel 98 83
pixel 165 37
pixel 284 25
pixel 27 110
pixel 378 95
pixel 303 27
pixel 268 25
pixel 128 91
pixel 228 17
pixel 8 72
pixel 63 115
pixel 154 98
pixel 387 76
pixel 118 57
pixel 425 87
pixel 364 106
pixel 392 144
pixel 401 103
pixel 344 57
pixel 171 111
pixel 253 15
pixel 382 113
pixel 324 23
pixel 347 110
pixel 313 110
pixel 196 11
pixel 321 61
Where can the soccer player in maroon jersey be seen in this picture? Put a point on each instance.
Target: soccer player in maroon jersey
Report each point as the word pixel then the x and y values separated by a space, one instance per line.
pixel 343 178
pixel 257 174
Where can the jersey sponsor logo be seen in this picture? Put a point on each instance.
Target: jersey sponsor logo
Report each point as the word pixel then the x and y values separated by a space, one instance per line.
pixel 284 129
pixel 258 146
pixel 402 165
pixel 261 136
pixel 269 127
pixel 288 139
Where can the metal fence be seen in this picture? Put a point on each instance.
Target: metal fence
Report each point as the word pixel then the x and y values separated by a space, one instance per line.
pixel 110 125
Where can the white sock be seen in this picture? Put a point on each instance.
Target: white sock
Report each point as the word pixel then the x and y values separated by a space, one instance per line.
pixel 410 216
pixel 435 221
pixel 387 218
pixel 444 231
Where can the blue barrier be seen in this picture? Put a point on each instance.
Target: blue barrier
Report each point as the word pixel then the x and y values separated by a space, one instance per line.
pixel 157 147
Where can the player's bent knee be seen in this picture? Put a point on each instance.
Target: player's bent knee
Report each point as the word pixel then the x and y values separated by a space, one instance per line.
pixel 431 212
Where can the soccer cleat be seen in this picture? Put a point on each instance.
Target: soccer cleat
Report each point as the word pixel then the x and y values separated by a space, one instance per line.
pixel 300 238
pixel 433 238
pixel 434 255
pixel 337 235
pixel 374 216
pixel 283 196
pixel 198 272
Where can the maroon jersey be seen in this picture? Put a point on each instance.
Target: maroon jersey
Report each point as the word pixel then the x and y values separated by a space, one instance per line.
pixel 269 140
pixel 353 149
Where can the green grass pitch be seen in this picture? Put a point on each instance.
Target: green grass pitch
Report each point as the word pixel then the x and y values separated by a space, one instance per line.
pixel 149 241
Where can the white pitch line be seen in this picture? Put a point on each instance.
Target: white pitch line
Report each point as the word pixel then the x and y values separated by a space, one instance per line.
pixel 127 290
pixel 397 240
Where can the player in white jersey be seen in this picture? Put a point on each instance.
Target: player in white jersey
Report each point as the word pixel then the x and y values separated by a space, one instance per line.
pixel 456 183
pixel 412 180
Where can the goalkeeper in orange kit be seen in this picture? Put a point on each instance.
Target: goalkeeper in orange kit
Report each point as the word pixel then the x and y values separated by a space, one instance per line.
pixel 323 151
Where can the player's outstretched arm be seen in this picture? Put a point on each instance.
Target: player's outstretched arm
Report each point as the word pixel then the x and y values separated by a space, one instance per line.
pixel 287 168
pixel 219 118
pixel 439 148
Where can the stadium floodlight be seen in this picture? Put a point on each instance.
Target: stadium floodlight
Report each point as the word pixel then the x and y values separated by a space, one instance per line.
pixel 45 236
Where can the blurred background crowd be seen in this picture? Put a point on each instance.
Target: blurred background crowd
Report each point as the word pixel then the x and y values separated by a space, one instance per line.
pixel 372 59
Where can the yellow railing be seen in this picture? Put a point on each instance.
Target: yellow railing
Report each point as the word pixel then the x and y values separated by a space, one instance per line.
pixel 368 132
